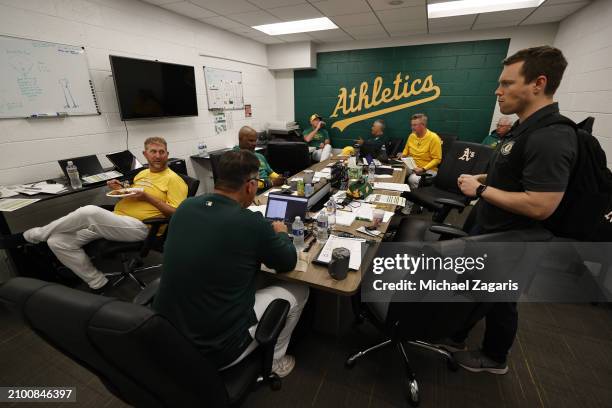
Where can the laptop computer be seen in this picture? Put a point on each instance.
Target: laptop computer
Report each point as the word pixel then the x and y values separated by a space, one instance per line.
pixel 124 161
pixel 286 207
pixel 86 165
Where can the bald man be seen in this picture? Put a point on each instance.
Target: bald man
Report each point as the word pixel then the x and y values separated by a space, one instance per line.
pixel 247 139
pixel 503 126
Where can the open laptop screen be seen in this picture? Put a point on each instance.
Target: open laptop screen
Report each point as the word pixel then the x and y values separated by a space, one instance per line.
pixel 86 165
pixel 124 161
pixel 286 207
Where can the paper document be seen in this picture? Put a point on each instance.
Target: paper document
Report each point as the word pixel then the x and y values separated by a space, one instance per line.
pixel 386 199
pixel 409 161
pixel 12 204
pixel 364 212
pixel 321 174
pixel 42 187
pixel 109 175
pixel 6 192
pixel 384 176
pixel 392 186
pixel 352 244
pixel 388 215
pixel 259 208
pixel 345 218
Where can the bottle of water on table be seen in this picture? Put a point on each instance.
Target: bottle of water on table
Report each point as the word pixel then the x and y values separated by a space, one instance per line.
pixel 73 176
pixel 297 230
pixel 322 225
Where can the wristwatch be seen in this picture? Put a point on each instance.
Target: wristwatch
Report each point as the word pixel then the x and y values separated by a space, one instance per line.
pixel 480 189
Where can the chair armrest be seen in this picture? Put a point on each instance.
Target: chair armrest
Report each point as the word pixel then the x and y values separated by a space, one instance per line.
pixel 145 297
pixel 449 202
pixel 448 231
pixel 156 221
pixel 272 322
pixel 426 179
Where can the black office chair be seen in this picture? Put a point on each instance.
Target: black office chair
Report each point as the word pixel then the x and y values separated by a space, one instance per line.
pixel 288 157
pixel 132 254
pixel 394 146
pixel 462 158
pixel 447 141
pixel 137 354
pixel 421 323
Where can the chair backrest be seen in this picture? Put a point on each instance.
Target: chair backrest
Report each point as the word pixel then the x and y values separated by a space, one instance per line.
pixel 139 356
pixel 192 184
pixel 461 158
pixel 447 141
pixel 288 157
pixel 394 146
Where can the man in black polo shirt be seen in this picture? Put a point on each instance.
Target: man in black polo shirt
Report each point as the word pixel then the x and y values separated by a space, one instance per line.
pixel 527 177
pixel 214 250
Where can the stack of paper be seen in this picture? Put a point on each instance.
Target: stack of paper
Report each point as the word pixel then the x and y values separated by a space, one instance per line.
pixel 392 186
pixel 386 199
pixel 352 244
pixel 409 161
pixel 42 187
pixel 109 175
pixel 12 204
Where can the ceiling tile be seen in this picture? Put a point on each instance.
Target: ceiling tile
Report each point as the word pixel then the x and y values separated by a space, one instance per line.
pixel 402 14
pixel 244 30
pixel 408 26
pixel 371 36
pixel 503 16
pixel 254 18
pixel 408 33
pixel 547 14
pixel 352 20
pixel 294 37
pixel 448 29
pixel 455 21
pixel 224 7
pixel 339 7
pixel 189 10
pixel 330 35
pixel 221 22
pixel 366 29
pixel 484 26
pixel 268 4
pixel 160 2
pixel 292 13
pixel 384 4
pixel 267 40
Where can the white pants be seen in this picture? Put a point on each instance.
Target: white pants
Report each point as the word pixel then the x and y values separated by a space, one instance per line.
pixel 414 179
pixel 322 154
pixel 67 235
pixel 296 295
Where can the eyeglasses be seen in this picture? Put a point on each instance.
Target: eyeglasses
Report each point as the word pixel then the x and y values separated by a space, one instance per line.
pixel 259 180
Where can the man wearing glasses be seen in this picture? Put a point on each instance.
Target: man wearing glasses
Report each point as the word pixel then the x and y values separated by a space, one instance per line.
pixel 503 126
pixel 212 255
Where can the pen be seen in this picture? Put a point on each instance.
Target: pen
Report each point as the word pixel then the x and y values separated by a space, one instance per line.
pixel 310 244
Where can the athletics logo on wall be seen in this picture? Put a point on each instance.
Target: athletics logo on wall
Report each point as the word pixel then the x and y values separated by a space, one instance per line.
pixel 353 103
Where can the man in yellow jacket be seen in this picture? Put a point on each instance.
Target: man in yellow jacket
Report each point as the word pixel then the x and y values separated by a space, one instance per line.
pixel 425 147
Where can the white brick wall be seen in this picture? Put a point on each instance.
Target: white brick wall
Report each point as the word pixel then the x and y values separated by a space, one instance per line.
pixel 29 149
pixel 586 90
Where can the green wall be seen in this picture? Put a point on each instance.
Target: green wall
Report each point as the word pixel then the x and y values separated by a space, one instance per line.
pixel 465 72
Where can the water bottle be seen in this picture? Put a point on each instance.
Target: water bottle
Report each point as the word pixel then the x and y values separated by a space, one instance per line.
pixel 330 209
pixel 322 225
pixel 371 172
pixel 73 175
pixel 202 151
pixel 297 229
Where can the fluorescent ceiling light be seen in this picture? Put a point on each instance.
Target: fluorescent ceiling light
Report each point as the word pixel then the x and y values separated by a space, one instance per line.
pixel 464 7
pixel 299 26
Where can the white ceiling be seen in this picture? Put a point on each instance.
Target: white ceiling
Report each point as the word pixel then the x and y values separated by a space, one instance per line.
pixel 356 19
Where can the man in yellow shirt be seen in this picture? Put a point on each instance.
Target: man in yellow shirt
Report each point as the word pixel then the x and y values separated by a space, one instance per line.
pixel 163 191
pixel 425 147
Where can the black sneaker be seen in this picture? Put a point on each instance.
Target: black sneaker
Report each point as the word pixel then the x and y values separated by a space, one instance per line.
pixel 476 361
pixel 449 344
pixel 12 241
pixel 102 289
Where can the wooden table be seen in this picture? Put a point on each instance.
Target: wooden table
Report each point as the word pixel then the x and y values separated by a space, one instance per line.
pixel 317 276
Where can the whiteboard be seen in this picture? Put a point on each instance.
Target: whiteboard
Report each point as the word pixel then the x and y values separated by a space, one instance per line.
pixel 40 78
pixel 223 88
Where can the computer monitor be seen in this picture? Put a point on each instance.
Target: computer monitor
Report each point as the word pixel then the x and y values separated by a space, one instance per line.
pixel 124 161
pixel 86 165
pixel 286 207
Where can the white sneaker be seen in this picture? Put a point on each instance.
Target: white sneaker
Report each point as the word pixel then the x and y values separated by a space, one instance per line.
pixel 283 366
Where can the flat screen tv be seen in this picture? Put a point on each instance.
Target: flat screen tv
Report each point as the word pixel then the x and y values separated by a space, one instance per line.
pixel 152 89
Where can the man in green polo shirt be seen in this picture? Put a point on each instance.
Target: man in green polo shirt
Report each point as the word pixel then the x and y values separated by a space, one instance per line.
pixel 213 253
pixel 317 139
pixel 247 139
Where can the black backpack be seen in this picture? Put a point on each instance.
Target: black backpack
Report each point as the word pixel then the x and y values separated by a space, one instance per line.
pixel 587 200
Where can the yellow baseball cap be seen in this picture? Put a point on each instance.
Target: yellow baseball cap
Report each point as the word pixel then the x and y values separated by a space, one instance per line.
pixel 314 116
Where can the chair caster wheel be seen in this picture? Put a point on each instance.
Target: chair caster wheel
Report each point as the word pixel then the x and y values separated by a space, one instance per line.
pixel 350 362
pixel 412 391
pixel 452 364
pixel 275 382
